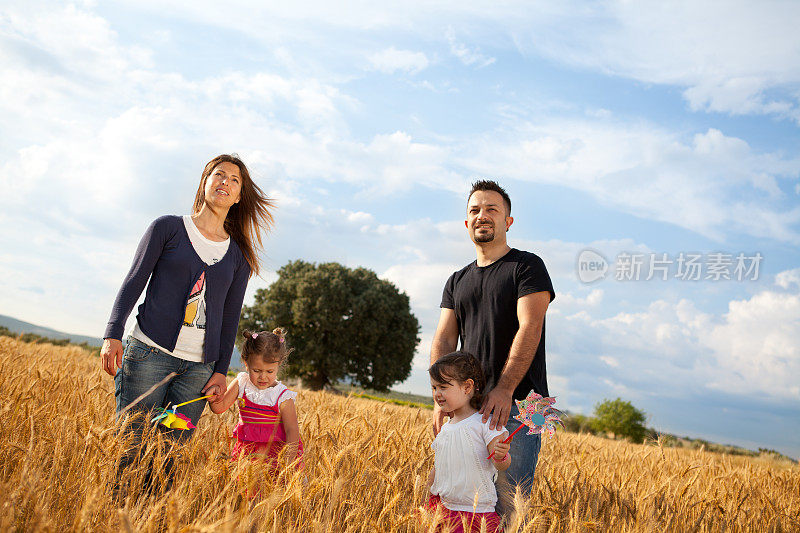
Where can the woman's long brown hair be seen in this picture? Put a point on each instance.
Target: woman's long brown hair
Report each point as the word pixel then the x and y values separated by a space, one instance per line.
pixel 247 218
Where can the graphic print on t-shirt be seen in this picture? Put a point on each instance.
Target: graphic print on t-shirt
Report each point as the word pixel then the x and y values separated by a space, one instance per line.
pixel 196 305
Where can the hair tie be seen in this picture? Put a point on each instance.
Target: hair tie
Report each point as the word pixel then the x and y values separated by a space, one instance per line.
pixel 255 335
pixel 280 339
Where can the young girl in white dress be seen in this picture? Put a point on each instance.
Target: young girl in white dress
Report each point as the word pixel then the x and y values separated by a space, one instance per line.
pixel 462 479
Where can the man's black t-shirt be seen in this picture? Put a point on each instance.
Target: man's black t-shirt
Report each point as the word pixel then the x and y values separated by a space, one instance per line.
pixel 485 302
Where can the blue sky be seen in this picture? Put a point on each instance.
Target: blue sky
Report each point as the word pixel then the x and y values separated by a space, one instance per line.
pixel 617 126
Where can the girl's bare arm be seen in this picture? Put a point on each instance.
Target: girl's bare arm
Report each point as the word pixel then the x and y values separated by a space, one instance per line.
pixel 291 427
pixel 227 399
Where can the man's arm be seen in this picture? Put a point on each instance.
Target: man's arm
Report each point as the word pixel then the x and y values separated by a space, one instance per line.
pixel 445 341
pixel 531 309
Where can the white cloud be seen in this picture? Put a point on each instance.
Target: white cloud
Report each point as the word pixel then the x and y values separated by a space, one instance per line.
pixel 468 56
pixel 649 172
pixel 392 60
pixel 423 282
pixel 568 300
pixel 788 278
pixel 747 61
pixel 65 38
pixel 359 217
pixel 675 349
pixel 402 162
pixel 756 346
pixel 610 361
pixel 727 66
pixel 635 167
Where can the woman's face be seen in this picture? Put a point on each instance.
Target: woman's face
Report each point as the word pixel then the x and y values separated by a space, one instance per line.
pixel 224 185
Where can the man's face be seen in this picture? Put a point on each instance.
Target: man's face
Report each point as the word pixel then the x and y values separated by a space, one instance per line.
pixel 486 217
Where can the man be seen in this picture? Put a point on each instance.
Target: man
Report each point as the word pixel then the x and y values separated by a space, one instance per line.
pixel 496 307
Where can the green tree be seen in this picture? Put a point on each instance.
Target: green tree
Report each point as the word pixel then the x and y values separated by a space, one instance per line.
pixel 578 423
pixel 342 322
pixel 620 418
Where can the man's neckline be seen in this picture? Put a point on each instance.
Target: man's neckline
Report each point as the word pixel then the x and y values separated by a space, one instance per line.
pixel 496 260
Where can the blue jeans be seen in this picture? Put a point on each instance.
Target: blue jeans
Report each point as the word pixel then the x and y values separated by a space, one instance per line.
pixel 524 456
pixel 142 367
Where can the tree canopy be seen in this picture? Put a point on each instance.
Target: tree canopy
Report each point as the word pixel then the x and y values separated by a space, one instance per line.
pixel 343 323
pixel 620 418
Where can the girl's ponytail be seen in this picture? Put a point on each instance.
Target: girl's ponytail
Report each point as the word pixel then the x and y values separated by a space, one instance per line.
pixel 252 344
pixel 281 334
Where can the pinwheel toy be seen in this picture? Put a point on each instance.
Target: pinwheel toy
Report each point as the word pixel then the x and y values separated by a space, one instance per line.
pixel 173 419
pixel 538 415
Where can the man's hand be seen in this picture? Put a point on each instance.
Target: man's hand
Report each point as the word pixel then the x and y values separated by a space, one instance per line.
pixel 215 385
pixel 438 418
pixel 111 356
pixel 497 405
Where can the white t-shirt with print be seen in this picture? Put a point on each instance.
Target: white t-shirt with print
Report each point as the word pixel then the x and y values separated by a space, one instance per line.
pixel 209 251
pixel 462 468
pixel 266 396
pixel 191 337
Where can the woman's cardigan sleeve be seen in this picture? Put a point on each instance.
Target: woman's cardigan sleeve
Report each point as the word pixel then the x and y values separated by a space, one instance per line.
pixel 230 316
pixel 145 259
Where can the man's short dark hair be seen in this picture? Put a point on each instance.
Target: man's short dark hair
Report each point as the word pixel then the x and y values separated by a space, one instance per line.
pixel 490 185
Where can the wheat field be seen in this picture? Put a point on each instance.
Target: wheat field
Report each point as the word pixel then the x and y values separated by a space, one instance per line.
pixel 365 466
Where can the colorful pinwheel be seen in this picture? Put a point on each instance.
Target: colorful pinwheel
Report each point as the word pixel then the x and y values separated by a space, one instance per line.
pixel 173 419
pixel 538 415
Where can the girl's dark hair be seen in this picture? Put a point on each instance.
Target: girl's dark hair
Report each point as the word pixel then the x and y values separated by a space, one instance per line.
pixel 460 366
pixel 247 218
pixel 270 346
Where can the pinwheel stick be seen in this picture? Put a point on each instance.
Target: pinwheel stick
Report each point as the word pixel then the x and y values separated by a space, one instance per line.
pixel 508 439
pixel 195 400
pixel 171 411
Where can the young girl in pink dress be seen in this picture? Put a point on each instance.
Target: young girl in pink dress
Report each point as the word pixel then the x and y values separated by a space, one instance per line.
pixel 267 416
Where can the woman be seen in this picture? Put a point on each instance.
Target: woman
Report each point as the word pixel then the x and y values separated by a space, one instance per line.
pixel 198 266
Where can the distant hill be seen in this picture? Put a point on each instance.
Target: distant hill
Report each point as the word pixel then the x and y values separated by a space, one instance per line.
pixel 19 326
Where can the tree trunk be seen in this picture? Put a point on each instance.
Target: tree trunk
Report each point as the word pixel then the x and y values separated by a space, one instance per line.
pixel 316 381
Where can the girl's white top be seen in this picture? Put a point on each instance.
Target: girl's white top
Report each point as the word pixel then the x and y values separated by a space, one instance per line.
pixel 266 396
pixel 464 478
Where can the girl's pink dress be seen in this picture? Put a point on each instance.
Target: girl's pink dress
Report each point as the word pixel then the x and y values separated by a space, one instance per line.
pixel 453 521
pixel 260 431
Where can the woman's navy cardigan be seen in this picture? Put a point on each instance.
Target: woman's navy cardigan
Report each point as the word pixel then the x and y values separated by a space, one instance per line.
pixel 166 257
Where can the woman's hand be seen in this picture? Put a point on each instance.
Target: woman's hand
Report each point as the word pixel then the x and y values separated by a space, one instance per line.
pixel 111 356
pixel 219 406
pixel 215 385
